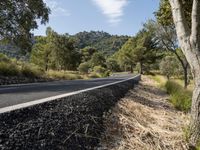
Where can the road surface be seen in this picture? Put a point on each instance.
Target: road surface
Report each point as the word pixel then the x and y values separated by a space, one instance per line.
pixel 17 94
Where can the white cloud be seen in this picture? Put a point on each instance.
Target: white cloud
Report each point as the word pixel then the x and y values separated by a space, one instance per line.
pixel 56 9
pixel 113 9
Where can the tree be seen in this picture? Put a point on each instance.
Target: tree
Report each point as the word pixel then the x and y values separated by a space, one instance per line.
pixel 124 55
pixel 142 49
pixel 166 35
pixel 112 65
pixel 55 51
pixel 98 59
pixel 65 55
pixel 169 66
pixel 189 40
pixel 18 18
pixel 86 53
pixel 41 53
pixel 101 41
pixel 147 50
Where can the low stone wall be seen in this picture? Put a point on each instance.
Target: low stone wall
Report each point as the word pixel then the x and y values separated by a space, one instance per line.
pixel 20 80
pixel 72 123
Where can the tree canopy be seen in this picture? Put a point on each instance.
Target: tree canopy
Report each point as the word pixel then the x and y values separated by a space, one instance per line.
pixel 18 18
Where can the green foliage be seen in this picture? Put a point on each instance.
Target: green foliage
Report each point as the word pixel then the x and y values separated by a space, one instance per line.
pixel 12 67
pixel 112 64
pixel 32 71
pixel 41 53
pixel 4 58
pixel 170 66
pixel 86 53
pixel 8 69
pixel 125 55
pixel 64 54
pixel 142 49
pixel 179 97
pixel 101 71
pixel 84 67
pixel 101 41
pixel 18 18
pixel 55 52
pixel 164 13
pixel 98 59
pixel 94 75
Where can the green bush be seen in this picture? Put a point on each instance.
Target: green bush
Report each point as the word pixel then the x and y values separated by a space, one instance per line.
pixel 99 69
pixel 106 73
pixel 179 97
pixel 29 70
pixel 8 69
pixel 84 67
pixel 4 58
pixel 94 75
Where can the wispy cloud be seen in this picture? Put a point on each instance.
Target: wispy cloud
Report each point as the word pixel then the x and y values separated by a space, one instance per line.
pixel 56 8
pixel 113 9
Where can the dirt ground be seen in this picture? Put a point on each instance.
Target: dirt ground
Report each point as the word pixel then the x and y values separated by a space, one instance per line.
pixel 145 120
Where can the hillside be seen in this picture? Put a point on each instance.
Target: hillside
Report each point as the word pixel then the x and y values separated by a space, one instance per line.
pixel 100 40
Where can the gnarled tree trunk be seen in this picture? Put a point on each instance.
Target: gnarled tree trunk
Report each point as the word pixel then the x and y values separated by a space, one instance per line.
pixel 189 40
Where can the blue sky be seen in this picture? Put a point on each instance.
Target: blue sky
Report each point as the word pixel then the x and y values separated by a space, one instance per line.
pixel 122 17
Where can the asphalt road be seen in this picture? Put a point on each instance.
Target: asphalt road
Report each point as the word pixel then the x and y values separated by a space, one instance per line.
pixel 16 94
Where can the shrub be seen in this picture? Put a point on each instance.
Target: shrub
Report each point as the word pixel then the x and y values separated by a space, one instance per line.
pixel 84 67
pixel 94 75
pixel 179 97
pixel 8 69
pixel 99 69
pixel 106 73
pixel 29 70
pixel 4 58
pixel 173 87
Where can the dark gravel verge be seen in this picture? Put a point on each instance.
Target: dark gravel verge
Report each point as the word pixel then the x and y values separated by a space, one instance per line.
pixel 71 123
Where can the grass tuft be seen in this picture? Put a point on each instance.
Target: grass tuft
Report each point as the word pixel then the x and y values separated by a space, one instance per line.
pixel 179 97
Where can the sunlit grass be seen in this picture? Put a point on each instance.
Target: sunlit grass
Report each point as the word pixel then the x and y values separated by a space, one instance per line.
pixel 65 75
pixel 181 98
pixel 161 80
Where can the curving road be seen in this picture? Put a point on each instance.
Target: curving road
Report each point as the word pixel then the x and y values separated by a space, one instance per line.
pixel 17 94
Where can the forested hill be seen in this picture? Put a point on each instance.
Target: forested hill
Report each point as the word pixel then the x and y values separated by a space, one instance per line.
pixel 100 40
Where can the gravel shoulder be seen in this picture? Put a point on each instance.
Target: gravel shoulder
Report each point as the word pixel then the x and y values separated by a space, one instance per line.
pixel 144 119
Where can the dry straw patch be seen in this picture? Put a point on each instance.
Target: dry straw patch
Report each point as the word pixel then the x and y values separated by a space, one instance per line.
pixel 144 120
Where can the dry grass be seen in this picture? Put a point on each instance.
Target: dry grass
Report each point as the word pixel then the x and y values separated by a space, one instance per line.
pixel 144 120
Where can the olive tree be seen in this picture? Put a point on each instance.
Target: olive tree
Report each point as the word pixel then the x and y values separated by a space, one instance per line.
pixel 189 40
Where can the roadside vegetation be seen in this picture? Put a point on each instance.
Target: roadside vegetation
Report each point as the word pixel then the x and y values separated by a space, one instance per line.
pixel 154 51
pixel 145 119
pixel 181 98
